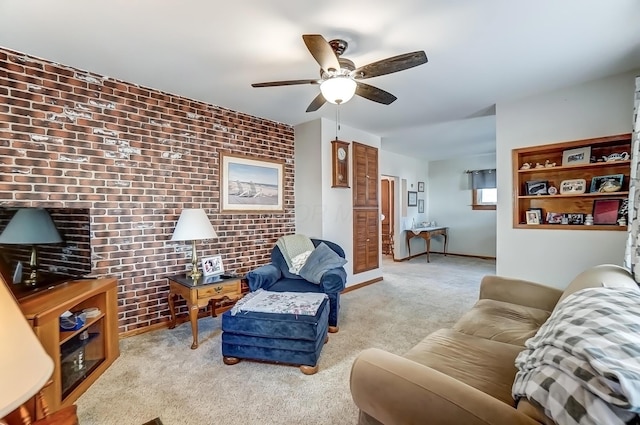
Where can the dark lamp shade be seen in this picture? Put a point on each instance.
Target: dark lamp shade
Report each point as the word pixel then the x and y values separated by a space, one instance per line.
pixel 30 226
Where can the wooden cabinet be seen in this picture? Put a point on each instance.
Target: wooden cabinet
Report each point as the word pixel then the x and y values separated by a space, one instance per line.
pixel 365 176
pixel 366 215
pixel 578 166
pixel 80 356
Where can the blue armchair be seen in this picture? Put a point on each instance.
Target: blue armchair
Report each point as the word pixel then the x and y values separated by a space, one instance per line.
pixel 276 277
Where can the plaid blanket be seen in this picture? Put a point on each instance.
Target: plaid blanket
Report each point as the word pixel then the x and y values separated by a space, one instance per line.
pixel 583 365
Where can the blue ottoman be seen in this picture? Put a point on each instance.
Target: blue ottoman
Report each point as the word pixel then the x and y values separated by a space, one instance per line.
pixel 289 338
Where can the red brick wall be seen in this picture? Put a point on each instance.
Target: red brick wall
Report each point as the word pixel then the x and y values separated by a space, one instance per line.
pixel 135 157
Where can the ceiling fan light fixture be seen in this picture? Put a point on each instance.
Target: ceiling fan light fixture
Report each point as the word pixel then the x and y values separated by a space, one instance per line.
pixel 339 89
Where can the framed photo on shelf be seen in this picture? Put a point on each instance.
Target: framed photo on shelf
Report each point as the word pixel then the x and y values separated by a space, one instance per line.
pixel 537 187
pixel 420 186
pixel 412 199
pixel 610 183
pixel 554 218
pixel 420 206
pixel 533 217
pixel 605 211
pixel 576 156
pixel 212 266
pixel 249 183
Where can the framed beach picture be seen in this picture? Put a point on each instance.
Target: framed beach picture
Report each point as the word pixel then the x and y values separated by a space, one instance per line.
pixel 212 266
pixel 249 183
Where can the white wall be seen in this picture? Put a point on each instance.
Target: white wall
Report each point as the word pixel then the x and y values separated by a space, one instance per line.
pixel 470 232
pixel 598 108
pixel 321 210
pixel 408 171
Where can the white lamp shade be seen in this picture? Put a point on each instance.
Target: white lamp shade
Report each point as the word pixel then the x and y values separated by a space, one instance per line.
pixel 24 365
pixel 339 89
pixel 193 225
pixel 30 226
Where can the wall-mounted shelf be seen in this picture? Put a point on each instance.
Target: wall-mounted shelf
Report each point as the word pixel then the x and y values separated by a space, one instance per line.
pixel 573 203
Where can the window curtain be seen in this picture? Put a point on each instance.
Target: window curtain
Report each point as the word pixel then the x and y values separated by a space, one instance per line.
pixel 483 179
pixel 632 252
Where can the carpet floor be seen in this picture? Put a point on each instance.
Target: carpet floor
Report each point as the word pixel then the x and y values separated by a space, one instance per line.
pixel 158 376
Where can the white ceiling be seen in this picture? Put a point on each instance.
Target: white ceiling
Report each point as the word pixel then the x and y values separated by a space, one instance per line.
pixel 480 53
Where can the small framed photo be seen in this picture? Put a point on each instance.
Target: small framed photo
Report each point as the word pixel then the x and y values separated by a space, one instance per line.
pixel 554 218
pixel 537 187
pixel 533 217
pixel 576 218
pixel 610 183
pixel 412 199
pixel 605 211
pixel 576 156
pixel 212 266
pixel 420 186
pixel 420 205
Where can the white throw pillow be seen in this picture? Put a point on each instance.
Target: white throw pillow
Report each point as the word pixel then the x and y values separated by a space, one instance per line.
pixel 298 261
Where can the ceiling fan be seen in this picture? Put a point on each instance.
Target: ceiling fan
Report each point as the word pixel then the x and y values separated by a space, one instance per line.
pixel 340 79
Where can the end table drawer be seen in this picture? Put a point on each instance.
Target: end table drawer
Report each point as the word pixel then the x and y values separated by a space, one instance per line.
pixel 228 288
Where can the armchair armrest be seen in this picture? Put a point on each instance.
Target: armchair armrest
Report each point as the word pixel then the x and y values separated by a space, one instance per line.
pixel 263 277
pixel 396 391
pixel 519 292
pixel 333 280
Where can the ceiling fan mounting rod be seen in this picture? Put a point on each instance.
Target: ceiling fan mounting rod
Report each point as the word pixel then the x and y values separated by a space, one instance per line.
pixel 339 46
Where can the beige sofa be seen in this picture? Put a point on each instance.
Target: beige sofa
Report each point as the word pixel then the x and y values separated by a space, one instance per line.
pixel 464 375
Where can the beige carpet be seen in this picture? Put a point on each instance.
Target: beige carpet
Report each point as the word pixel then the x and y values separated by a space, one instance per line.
pixel 158 375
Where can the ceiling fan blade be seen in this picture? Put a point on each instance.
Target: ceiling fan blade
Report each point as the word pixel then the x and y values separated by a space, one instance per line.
pixel 389 65
pixel 374 93
pixel 285 83
pixel 321 52
pixel 316 103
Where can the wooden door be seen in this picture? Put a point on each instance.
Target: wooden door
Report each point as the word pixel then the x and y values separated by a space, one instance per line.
pixel 387 208
pixel 366 214
pixel 365 246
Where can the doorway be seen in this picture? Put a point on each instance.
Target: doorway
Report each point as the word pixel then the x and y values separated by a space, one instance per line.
pixel 387 201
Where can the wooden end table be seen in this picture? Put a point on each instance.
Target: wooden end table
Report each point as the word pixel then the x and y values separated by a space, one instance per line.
pixel 199 294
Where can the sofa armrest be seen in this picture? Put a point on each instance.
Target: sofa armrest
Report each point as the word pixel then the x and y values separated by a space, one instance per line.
pixel 396 391
pixel 263 277
pixel 521 292
pixel 333 280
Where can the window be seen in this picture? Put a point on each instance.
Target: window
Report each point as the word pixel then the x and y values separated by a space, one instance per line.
pixel 484 199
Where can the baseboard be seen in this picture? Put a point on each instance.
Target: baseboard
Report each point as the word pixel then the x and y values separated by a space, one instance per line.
pixel 361 285
pixel 482 257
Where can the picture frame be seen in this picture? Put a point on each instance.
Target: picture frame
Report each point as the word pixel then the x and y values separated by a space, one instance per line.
pixel 250 184
pixel 533 217
pixel 537 187
pixel 609 183
pixel 420 186
pixel 576 218
pixel 554 218
pixel 576 156
pixel 212 266
pixel 605 211
pixel 420 206
pixel 412 198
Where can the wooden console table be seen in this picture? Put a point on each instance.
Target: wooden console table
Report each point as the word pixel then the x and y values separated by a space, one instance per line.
pixel 427 233
pixel 199 294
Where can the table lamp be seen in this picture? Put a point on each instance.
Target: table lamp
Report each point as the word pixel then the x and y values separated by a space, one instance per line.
pixel 31 226
pixel 193 225
pixel 24 365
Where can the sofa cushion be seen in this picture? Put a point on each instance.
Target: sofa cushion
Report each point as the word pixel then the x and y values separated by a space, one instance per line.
pixel 502 321
pixel 486 365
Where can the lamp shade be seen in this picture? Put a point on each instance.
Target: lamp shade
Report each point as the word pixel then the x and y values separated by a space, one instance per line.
pixel 193 225
pixel 30 226
pixel 339 89
pixel 24 365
